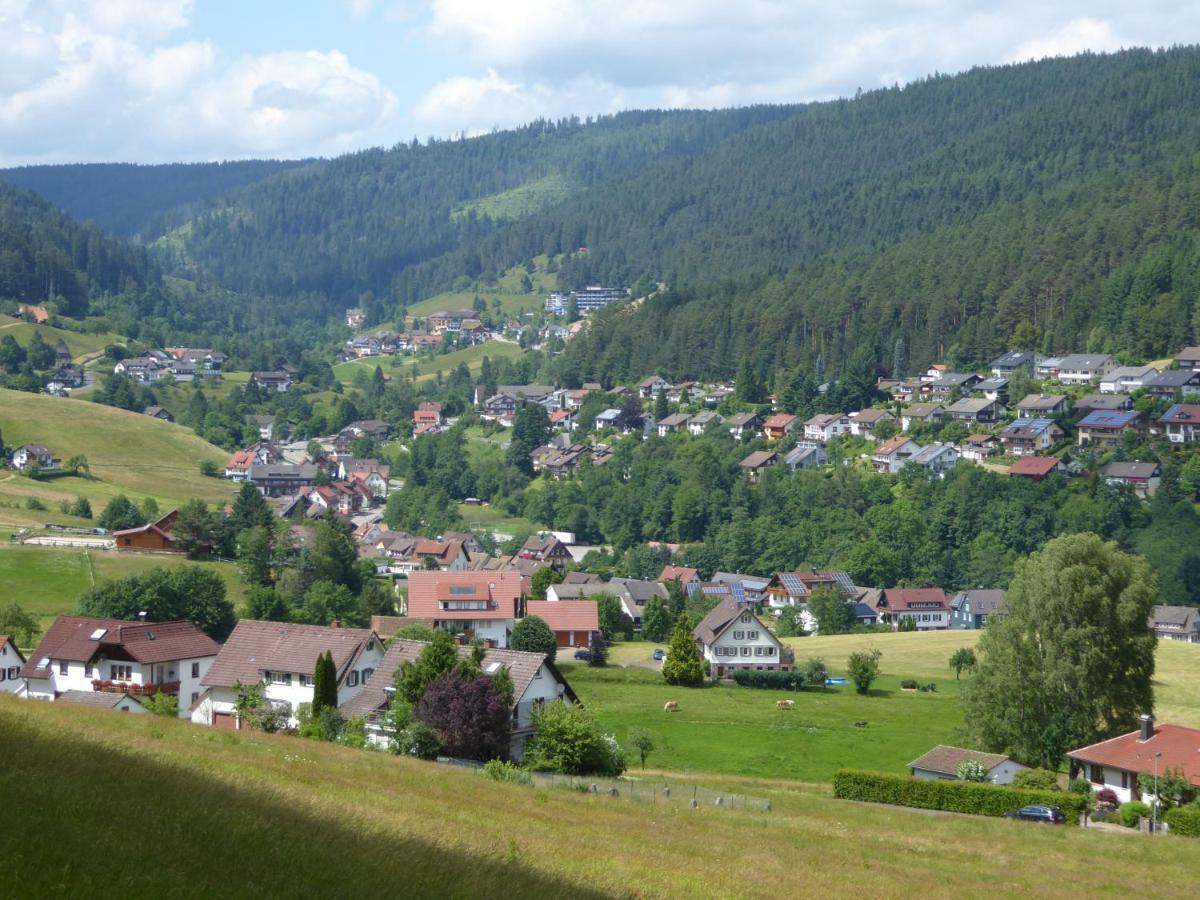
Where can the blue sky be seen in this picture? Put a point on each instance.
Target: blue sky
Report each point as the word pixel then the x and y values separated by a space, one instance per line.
pixel 168 80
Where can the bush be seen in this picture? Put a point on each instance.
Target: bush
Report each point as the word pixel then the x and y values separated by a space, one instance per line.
pixel 498 770
pixel 1184 820
pixel 930 688
pixel 418 740
pixel 952 796
pixel 815 673
pixel 34 503
pixel 972 770
pixel 568 740
pixel 1037 780
pixel 1132 811
pixel 1106 797
pixel 771 681
pixel 909 684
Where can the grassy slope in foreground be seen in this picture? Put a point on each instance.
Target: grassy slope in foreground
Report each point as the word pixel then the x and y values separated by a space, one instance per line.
pixel 252 815
pixel 136 454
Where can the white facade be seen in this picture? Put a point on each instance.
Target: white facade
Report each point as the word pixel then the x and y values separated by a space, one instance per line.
pixel 926 619
pixel 11 664
pixel 745 643
pixel 1003 773
pixel 70 675
pixel 1122 783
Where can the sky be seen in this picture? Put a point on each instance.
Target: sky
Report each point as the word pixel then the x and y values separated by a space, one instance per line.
pixel 196 80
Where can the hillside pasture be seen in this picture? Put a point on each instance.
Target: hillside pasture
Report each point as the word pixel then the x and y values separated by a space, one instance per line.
pixel 81 345
pixel 428 367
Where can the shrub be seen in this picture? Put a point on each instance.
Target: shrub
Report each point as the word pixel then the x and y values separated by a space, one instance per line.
pixel 418 740
pixel 470 717
pixel 930 688
pixel 532 634
pixel 1132 811
pixel 863 667
pixel 815 673
pixel 499 770
pixel 972 770
pixel 771 681
pixel 1184 820
pixel 34 503
pixel 909 684
pixel 1037 780
pixel 1107 797
pixel 567 739
pixel 952 796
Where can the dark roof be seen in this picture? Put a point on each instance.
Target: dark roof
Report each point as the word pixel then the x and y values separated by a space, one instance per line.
pixel 83 638
pixel 717 620
pixel 1011 359
pixel 984 601
pixel 99 699
pixel 1104 401
pixel 256 647
pixel 1041 401
pixel 1108 418
pixel 945 760
pixel 758 459
pixel 1177 616
pixel 1135 470
pixel 900 599
pixel 1172 378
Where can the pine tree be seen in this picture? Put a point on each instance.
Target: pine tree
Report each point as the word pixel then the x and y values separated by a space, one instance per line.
pixel 899 358
pixel 682 665
pixel 660 406
pixel 324 684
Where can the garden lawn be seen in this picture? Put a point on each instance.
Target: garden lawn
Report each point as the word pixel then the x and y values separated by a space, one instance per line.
pixel 245 814
pixel 738 731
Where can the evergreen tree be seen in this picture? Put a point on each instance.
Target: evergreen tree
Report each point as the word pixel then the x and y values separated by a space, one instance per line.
pixel 661 411
pixel 899 358
pixel 532 634
pixel 682 665
pixel 324 684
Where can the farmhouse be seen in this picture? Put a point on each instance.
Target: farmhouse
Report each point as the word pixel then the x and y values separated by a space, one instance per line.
pixel 545 548
pixel 476 604
pixel 797 588
pixel 927 607
pixel 1176 623
pixel 151 536
pixel 82 653
pixel 451 320
pixel 536 682
pixel 973 609
pixel 29 454
pixel 942 762
pixel 732 638
pixel 282 657
pixel 12 661
pixel 1117 763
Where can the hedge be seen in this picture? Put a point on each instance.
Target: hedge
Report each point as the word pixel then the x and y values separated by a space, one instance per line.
pixel 952 796
pixel 1184 820
pixel 774 681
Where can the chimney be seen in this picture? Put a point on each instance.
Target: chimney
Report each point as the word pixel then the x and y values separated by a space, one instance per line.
pixel 1147 728
pixel 142 616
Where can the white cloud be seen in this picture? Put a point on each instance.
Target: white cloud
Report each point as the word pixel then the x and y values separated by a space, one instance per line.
pixel 110 80
pixel 1076 36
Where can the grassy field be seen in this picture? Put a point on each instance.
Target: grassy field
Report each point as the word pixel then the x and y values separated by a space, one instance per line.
pixel 429 367
pixel 518 202
pixel 507 290
pixel 128 453
pixel 80 345
pixel 47 581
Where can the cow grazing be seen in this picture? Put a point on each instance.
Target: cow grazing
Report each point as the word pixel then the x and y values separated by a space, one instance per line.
pixel 671 706
pixel 785 704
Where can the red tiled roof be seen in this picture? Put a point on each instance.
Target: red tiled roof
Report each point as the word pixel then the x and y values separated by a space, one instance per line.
pixel 1035 466
pixel 242 459
pixel 901 599
pixel 566 615
pixel 70 638
pixel 426 589
pixel 256 647
pixel 891 445
pixel 1179 746
pixel 682 574
pixel 779 420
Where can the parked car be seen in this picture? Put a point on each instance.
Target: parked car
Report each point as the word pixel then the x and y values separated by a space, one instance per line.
pixel 1048 815
pixel 583 655
pixel 660 653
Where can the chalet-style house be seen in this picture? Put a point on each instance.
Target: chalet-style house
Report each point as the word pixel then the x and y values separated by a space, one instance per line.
pixel 699 422
pixel 1188 358
pixel 921 414
pixel 979 410
pixel 805 457
pixel 1012 362
pixel 951 383
pixel 157 412
pixel 797 588
pixel 673 422
pixel 1043 406
pixel 480 605
pixel 1182 382
pixel 574 623
pixel 825 427
pixel 1026 437
pixel 779 426
pixel 1107 429
pixel 1117 762
pixel 83 653
pixel 536 682
pixel 744 426
pixel 282 657
pixel 942 762
pixel 1036 467
pixel 992 389
pixel 1084 368
pixel 1126 379
pixel 732 638
pixel 12 661
pixel 978 447
pixel 153 536
pixel 973 609
pixel 25 456
pixel 278 381
pixel 935 459
pixel 278 479
pixel 1142 477
pixel 649 387
pixel 546 549
pixel 1181 423
pixel 892 454
pixel 758 462
pixel 863 422
pixel 1176 623
pixel 928 607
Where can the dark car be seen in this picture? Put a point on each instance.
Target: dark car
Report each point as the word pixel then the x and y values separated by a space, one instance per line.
pixel 660 653
pixel 583 655
pixel 1049 815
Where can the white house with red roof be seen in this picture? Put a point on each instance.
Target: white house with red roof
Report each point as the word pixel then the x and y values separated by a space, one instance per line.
pixel 481 605
pixel 1117 762
pixel 574 622
pixel 12 661
pixel 928 607
pixel 83 653
pixel 732 638
pixel 283 657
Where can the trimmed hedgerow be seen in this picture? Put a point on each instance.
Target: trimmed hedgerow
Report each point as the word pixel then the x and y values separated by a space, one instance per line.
pixel 1184 820
pixel 952 796
pixel 774 681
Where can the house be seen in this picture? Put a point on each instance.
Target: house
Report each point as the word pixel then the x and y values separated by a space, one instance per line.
pixel 265 425
pixel 757 462
pixel 278 381
pixel 339 497
pixel 1025 437
pixel 157 412
pixel 978 447
pixel 750 588
pixel 27 455
pixel 477 604
pixel 778 426
pixel 1012 362
pixel 976 410
pixel 682 574
pixel 609 418
pixel 633 593
pixel 1043 406
pixel 278 479
pixel 673 422
pixel 536 682
pixel 451 321
pixel 153 536
pixel 1084 368
pixel 1142 477
pixel 942 762
pixel 973 609
pixel 892 454
pixel 546 549
pixel 1176 623
pixel 83 653
pixel 500 408
pixel 1188 358
pixel 282 657
pixel 952 383
pixel 1036 467
pixel 699 422
pixel 805 457
pixel 1125 379
pixel 649 387
pixel 144 369
pixel 933 373
pixel 429 418
pixel 1105 402
pixel 993 389
pixel 12 661
pixel 824 427
pixel 936 459
pixel 563 419
pixel 744 426
pixel 1046 367
pixel 1181 423
pixel 797 588
pixel 1117 762
pixel 104 700
pixel 375 429
pixel 863 422
pixel 732 638
pixel 1184 382
pixel 574 622
pixel 397 553
pixel 921 414
pixel 1107 429
pixel 927 607
pixel 369 472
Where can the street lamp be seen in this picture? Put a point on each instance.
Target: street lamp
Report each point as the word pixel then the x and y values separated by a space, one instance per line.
pixel 1154 808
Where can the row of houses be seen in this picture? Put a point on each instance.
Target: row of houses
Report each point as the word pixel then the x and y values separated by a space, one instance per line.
pixel 178 363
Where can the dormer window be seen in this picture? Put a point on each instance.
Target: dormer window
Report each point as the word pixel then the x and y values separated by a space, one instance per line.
pixel 746 618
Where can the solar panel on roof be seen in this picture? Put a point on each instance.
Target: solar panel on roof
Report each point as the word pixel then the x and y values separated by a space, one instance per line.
pixel 794 585
pixel 844 581
pixel 98 633
pixel 738 593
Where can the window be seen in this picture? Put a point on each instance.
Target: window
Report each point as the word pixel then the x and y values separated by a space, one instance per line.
pixel 770 651
pixel 737 636
pixel 62 667
pixel 367 673
pixel 306 681
pixel 352 681
pixel 195 697
pixel 746 618
pixel 1125 780
pixel 87 670
pixel 195 670
pixel 120 672
pixel 752 635
pixel 279 677
pixel 1097 774
pixel 758 651
pixel 745 651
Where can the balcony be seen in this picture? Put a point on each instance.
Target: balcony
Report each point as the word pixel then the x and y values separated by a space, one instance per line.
pixel 136 690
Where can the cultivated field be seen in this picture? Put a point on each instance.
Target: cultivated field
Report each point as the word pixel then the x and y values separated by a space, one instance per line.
pixel 296 818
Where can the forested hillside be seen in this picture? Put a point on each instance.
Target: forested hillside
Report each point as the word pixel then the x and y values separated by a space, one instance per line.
pixel 135 200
